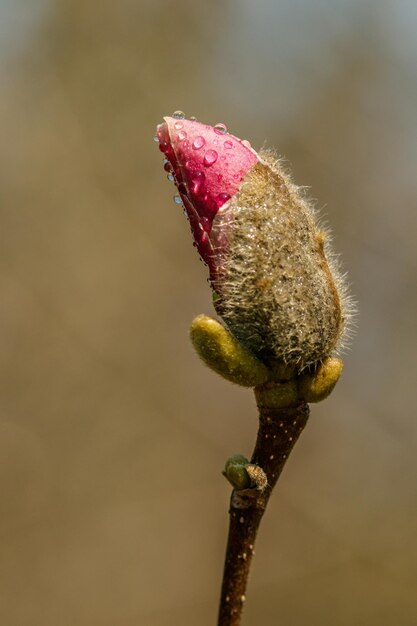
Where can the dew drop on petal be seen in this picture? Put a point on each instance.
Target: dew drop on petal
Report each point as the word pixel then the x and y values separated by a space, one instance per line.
pixel 167 166
pixel 222 198
pixel 156 139
pixel 178 125
pixel 163 146
pixel 198 142
pixel 210 158
pixel 193 118
pixel 220 129
pixel 182 188
pixel 198 179
pixel 170 177
pixel 198 176
pixel 228 145
pixel 179 115
pixel 182 135
pixel 246 143
pixel 177 199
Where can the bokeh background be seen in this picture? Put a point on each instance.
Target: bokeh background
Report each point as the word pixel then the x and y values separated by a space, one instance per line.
pixel 112 433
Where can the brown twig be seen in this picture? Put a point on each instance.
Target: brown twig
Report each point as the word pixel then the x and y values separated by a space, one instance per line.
pixel 279 429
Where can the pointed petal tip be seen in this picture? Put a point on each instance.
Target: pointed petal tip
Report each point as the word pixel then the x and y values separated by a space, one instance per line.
pixel 208 165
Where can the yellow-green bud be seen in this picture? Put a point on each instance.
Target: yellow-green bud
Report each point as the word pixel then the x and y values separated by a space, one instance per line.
pixel 317 385
pixel 224 354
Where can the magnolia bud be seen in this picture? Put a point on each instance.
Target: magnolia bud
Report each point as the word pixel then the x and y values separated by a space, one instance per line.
pixel 276 284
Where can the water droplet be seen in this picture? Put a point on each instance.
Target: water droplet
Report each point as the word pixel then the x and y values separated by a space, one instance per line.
pixel 178 125
pixel 198 179
pixel 178 115
pixel 177 199
pixel 170 177
pixel 185 144
pixel 163 146
pixel 228 145
pixel 182 135
pixel 210 158
pixel 222 198
pixel 156 139
pixel 198 175
pixel 167 166
pixel 193 119
pixel 220 129
pixel 198 142
pixel 246 143
pixel 182 188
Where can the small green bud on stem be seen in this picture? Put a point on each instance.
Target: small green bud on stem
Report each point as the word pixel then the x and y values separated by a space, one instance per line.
pixel 235 472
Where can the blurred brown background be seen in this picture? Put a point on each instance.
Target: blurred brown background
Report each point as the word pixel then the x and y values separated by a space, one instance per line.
pixel 112 434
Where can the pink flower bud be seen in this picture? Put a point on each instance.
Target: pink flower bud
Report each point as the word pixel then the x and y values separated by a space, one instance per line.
pixel 276 283
pixel 208 166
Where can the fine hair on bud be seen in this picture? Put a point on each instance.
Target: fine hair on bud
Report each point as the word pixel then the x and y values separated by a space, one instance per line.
pixel 280 290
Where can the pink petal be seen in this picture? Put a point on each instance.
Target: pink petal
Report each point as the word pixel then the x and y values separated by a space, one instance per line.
pixel 209 166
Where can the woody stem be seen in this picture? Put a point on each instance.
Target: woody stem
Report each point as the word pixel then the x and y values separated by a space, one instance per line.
pixel 279 429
